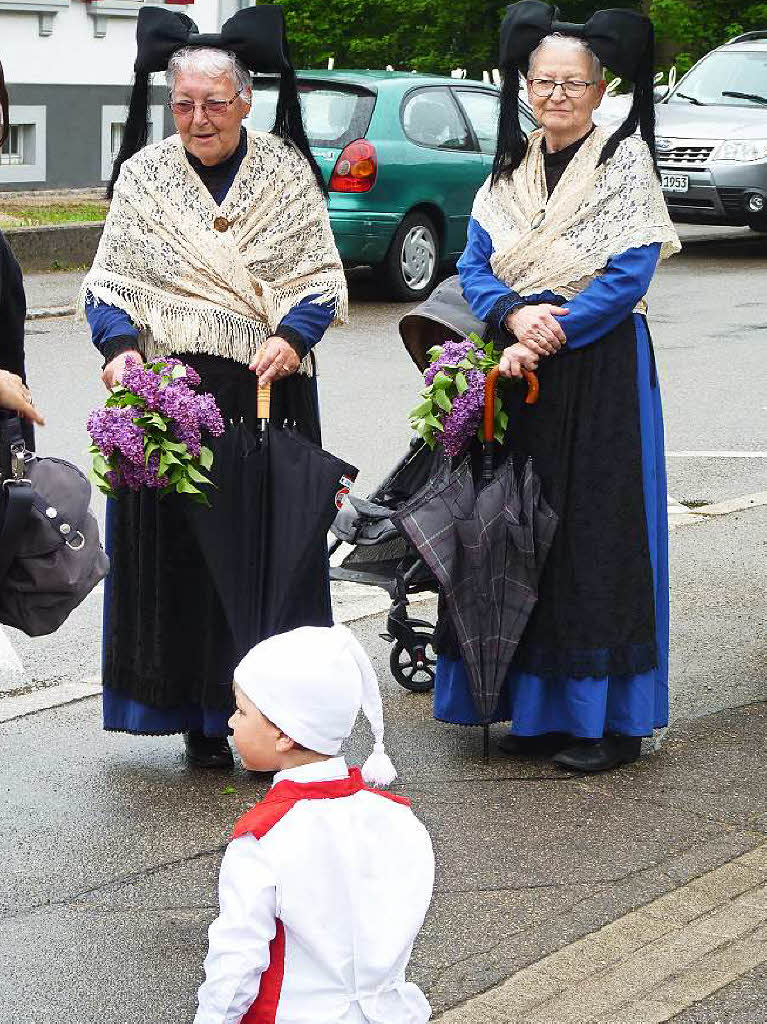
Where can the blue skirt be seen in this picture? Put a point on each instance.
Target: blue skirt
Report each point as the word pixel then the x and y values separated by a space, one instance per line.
pixel 589 708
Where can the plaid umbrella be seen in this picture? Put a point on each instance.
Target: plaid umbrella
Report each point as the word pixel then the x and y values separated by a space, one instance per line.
pixel 486 546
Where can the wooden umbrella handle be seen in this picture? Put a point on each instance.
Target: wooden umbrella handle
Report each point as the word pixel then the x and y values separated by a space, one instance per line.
pixel 263 401
pixel 533 391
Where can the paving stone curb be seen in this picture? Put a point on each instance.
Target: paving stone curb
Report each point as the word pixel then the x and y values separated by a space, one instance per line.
pixel 649 965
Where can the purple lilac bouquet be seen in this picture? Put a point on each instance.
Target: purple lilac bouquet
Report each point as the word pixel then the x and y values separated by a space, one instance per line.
pixel 149 434
pixel 453 401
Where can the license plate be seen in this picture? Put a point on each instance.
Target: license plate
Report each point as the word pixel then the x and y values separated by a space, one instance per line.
pixel 675 182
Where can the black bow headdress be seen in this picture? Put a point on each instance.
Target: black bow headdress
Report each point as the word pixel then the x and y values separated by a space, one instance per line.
pixel 623 40
pixel 5 127
pixel 255 35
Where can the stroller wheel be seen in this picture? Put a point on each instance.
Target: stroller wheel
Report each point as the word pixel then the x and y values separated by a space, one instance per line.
pixel 413 666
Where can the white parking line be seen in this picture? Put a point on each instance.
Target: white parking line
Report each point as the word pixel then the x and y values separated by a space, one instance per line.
pixel 716 455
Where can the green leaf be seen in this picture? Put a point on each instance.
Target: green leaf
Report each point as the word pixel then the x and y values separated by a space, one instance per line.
pixel 441 381
pixel 183 486
pixel 503 419
pixel 228 790
pixel 499 435
pixel 421 410
pixel 443 401
pixel 461 383
pixel 434 353
pixel 100 465
pixel 195 475
pixel 177 372
pixel 206 457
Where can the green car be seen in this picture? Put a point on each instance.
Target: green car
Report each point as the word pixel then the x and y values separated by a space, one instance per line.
pixel 403 156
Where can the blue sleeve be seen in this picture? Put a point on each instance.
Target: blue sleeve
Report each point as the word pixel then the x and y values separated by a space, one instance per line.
pixel 609 299
pixel 306 323
pixel 107 322
pixel 490 299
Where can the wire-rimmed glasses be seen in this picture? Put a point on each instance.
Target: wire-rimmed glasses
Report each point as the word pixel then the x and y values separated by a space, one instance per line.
pixel 573 88
pixel 213 108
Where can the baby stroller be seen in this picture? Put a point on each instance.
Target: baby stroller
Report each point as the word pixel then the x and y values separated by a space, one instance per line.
pixel 381 557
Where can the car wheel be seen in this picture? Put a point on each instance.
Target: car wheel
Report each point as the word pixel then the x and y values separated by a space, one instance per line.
pixel 412 263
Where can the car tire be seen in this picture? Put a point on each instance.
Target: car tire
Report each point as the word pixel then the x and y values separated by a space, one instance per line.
pixel 412 262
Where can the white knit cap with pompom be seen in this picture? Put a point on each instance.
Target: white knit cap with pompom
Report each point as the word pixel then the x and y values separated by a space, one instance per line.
pixel 378 770
pixel 311 682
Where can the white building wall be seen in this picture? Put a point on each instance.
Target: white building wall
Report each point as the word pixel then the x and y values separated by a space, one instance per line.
pixel 72 54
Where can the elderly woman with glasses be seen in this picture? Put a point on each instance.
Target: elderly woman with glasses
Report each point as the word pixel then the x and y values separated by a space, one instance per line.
pixel 562 246
pixel 218 250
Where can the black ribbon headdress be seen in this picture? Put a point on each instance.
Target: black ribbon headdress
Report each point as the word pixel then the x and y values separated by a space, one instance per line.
pixel 255 35
pixel 5 127
pixel 623 40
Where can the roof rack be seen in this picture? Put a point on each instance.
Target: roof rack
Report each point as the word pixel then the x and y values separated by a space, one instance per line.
pixel 747 36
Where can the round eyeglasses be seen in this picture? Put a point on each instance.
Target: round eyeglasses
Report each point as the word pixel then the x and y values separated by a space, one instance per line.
pixel 212 107
pixel 572 88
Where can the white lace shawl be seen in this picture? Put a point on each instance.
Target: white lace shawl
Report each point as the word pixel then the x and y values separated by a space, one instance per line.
pixel 593 214
pixel 191 288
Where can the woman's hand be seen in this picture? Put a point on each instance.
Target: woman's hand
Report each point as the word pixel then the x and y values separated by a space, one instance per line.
pixel 274 360
pixel 537 327
pixel 517 358
pixel 15 395
pixel 114 370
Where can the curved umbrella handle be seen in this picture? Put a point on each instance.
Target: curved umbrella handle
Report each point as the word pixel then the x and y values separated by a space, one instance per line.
pixel 533 391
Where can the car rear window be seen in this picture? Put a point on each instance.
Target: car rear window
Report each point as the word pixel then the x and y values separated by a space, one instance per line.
pixel 334 114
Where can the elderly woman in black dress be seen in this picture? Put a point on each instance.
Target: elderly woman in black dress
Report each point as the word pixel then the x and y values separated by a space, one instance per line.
pixel 217 249
pixel 562 245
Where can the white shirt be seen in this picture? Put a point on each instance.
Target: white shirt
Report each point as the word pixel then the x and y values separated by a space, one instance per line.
pixel 350 879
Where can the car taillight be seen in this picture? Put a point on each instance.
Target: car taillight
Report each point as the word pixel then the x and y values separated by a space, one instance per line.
pixel 355 169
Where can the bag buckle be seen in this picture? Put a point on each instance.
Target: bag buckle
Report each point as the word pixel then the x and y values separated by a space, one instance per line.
pixel 18 466
pixel 76 542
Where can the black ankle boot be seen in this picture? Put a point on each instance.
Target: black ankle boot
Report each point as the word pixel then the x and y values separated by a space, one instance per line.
pixel 207 751
pixel 545 745
pixel 609 752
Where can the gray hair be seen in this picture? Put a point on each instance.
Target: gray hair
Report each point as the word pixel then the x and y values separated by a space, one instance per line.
pixel 573 43
pixel 205 60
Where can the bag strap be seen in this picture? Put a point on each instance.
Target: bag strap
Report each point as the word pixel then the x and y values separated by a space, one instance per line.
pixel 19 493
pixel 17 509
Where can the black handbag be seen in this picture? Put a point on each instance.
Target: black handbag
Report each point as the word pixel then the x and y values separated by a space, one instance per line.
pixel 51 557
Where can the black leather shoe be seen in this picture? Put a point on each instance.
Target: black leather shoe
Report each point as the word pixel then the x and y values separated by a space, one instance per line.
pixel 207 751
pixel 545 745
pixel 607 753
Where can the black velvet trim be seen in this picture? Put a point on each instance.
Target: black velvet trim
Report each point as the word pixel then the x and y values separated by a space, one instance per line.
pixel 501 309
pixel 294 338
pixel 112 347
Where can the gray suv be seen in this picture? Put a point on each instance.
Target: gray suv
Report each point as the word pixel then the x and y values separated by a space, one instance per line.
pixel 712 137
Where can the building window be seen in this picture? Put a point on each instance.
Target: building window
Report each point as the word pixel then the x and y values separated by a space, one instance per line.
pixel 22 158
pixel 113 128
pixel 13 148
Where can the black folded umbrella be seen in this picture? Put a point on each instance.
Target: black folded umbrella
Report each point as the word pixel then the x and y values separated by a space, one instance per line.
pixel 486 545
pixel 263 536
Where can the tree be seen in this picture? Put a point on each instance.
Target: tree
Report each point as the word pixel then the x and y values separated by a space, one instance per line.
pixel 688 29
pixel 408 34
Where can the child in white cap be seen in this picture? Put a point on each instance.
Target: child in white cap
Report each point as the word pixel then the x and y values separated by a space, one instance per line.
pixel 326 882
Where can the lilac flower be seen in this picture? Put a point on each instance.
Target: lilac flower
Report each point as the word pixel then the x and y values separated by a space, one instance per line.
pixel 114 429
pixel 122 441
pixel 464 418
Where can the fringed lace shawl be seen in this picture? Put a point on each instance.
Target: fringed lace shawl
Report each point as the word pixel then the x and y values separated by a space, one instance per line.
pixel 564 241
pixel 191 287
